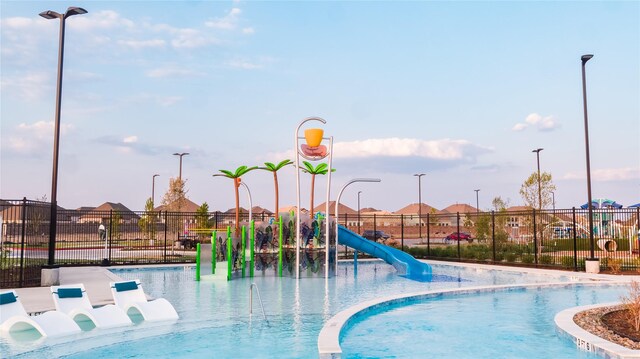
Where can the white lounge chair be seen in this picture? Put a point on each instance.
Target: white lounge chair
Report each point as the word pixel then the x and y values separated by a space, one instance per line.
pixel 130 297
pixel 13 318
pixel 74 302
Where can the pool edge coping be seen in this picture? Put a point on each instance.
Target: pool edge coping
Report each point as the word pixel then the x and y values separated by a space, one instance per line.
pixel 587 341
pixel 329 337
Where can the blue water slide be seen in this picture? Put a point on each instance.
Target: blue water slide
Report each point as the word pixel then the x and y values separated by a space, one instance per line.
pixel 404 263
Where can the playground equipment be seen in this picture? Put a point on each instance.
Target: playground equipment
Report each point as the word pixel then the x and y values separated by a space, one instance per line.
pixel 313 150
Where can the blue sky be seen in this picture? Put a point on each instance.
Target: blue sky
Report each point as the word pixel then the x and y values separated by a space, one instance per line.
pixel 461 91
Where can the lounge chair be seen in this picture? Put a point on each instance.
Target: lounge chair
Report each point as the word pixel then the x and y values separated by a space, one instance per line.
pixel 13 318
pixel 74 302
pixel 130 297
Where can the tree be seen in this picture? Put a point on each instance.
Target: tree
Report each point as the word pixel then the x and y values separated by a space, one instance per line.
pixel 174 200
pixel 529 190
pixel 115 225
pixel 147 222
pixel 202 218
pixel 274 169
pixel 321 169
pixel 176 195
pixel 235 176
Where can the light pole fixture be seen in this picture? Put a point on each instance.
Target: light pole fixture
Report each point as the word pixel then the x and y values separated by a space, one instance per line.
pixel 477 202
pixel 53 221
pixel 153 190
pixel 181 154
pixel 419 175
pixel 537 151
pixel 584 59
pixel 359 232
pixel 336 214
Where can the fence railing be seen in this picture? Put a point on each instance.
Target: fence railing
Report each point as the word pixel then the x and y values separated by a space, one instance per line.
pixel 550 238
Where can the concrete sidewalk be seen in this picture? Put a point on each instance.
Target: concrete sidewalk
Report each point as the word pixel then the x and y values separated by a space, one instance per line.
pixel 95 279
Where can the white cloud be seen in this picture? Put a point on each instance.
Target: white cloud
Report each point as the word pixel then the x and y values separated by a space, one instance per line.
pixel 141 44
pixel 228 22
pixel 31 86
pixel 171 72
pixel 443 149
pixel 168 100
pixel 103 20
pixel 34 138
pixel 519 127
pixel 191 38
pixel 542 124
pixel 248 30
pixel 130 139
pixel 244 64
pixel 607 174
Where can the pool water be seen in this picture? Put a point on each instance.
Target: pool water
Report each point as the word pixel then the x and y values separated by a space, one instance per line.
pixel 500 324
pixel 215 320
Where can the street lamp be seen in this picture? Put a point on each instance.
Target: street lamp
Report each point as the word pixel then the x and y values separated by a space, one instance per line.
pixel 49 15
pixel 359 232
pixel 337 217
pixel 553 202
pixel 537 151
pixel 419 175
pixel 584 59
pixel 477 202
pixel 153 190
pixel 181 154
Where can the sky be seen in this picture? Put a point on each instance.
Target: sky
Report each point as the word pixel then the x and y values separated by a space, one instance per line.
pixel 460 91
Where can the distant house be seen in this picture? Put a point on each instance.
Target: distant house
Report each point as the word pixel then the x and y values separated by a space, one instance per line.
pixel 188 206
pixel 411 213
pixel 104 213
pixel 449 215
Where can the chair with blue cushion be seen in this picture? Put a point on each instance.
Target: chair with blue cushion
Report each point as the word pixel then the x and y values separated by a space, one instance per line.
pixel 14 318
pixel 72 300
pixel 130 296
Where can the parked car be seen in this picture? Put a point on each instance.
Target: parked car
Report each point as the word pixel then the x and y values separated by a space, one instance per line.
pixel 459 236
pixel 375 235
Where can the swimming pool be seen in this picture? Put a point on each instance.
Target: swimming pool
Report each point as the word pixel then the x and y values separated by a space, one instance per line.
pixel 215 319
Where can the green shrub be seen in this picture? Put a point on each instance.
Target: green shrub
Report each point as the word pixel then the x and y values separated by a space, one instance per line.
pixel 527 258
pixel 510 257
pixel 499 257
pixel 566 262
pixel 546 259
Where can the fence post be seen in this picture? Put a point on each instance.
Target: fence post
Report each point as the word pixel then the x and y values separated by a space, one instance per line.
pixel 575 242
pixel 374 227
pixel 22 240
pixel 458 228
pixel 110 234
pixel 166 224
pixel 402 231
pixel 428 235
pixel 535 238
pixel 493 233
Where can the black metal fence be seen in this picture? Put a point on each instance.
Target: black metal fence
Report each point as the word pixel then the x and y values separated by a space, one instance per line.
pixel 549 238
pixel 558 238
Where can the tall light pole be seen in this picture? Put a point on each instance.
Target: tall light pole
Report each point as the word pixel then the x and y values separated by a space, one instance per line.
pixel 337 217
pixel 53 221
pixel 419 175
pixel 359 232
pixel 153 190
pixel 180 154
pixel 537 151
pixel 584 59
pixel 477 202
pixel 553 202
